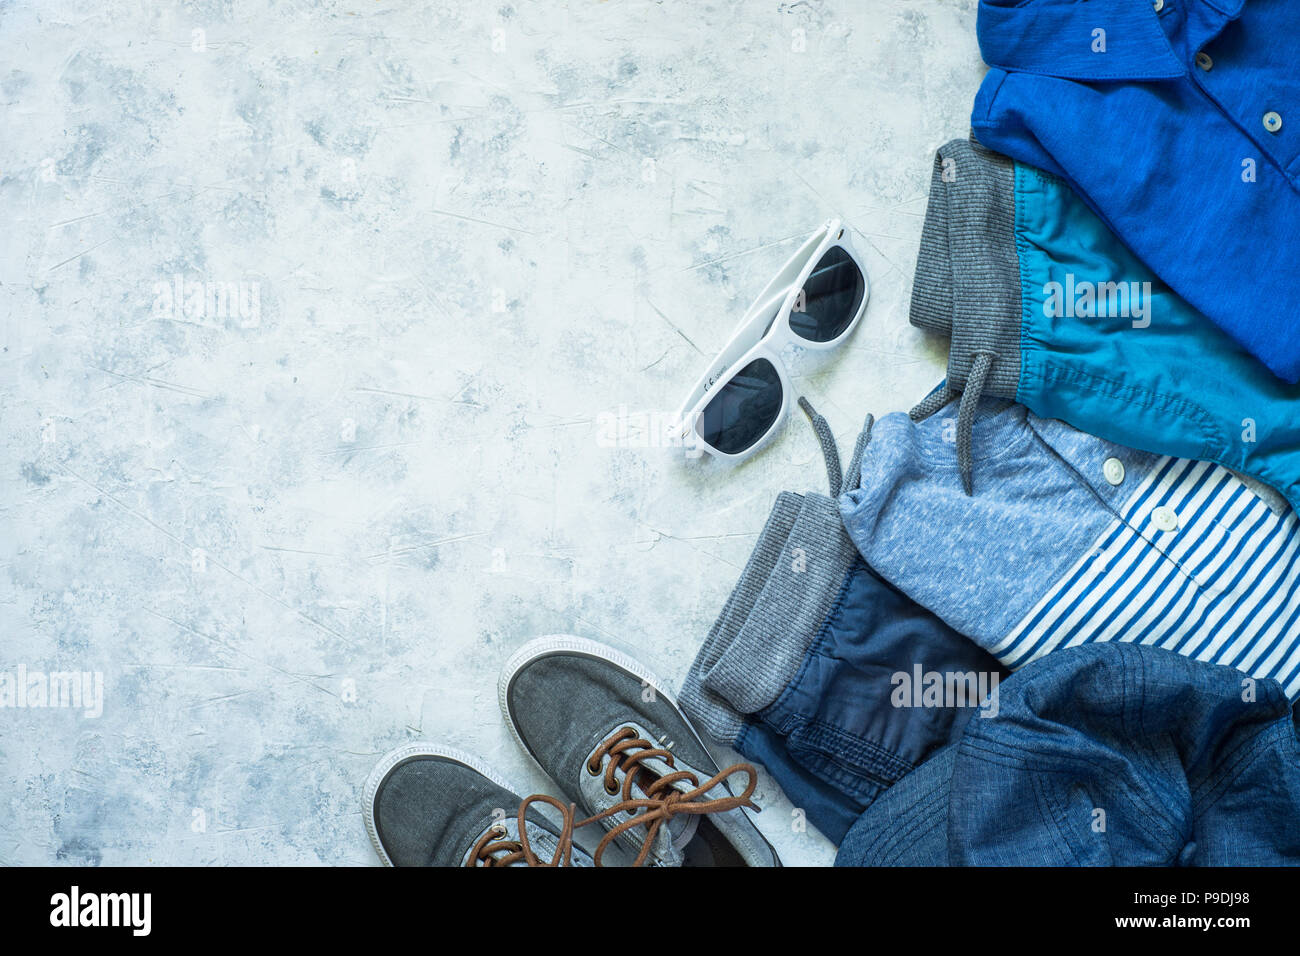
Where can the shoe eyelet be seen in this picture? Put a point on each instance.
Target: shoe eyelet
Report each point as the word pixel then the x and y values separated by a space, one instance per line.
pixel 594 771
pixel 611 790
pixel 499 831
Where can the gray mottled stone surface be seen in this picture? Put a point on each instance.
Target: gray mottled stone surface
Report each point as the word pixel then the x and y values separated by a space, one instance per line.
pixel 296 528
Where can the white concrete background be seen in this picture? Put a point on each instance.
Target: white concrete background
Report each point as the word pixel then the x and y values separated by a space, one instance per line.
pixel 474 229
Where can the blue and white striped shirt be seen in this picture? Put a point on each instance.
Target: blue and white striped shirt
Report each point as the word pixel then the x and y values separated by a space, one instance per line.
pixel 1071 539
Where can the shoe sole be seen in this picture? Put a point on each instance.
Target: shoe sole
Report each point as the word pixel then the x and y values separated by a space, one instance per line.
pixel 568 643
pixel 391 759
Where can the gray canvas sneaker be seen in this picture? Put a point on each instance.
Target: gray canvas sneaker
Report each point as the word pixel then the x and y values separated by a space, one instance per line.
pixel 430 806
pixel 617 745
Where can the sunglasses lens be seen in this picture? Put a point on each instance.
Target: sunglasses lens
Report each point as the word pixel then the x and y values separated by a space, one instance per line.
pixel 743 410
pixel 831 298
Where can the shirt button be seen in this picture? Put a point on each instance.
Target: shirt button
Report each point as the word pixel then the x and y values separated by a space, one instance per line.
pixel 1165 519
pixel 1204 61
pixel 1159 5
pixel 1272 121
pixel 1113 469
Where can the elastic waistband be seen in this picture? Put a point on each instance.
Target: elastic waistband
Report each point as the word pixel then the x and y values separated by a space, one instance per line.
pixel 757 645
pixel 967 282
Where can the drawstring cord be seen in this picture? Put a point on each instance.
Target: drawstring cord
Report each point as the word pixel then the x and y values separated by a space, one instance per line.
pixel 970 399
pixel 839 481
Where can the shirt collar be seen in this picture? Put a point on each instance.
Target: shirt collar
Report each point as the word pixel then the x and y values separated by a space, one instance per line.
pixel 1061 38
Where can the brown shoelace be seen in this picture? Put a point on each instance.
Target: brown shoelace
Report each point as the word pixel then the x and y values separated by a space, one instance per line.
pixel 493 849
pixel 661 802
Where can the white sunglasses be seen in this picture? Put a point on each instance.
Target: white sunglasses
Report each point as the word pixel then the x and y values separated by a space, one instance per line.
pixel 814 302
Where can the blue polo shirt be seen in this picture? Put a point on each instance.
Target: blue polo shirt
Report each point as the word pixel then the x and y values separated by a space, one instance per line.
pixel 1178 121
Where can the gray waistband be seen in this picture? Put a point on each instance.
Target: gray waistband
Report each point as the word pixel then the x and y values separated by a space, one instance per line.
pixel 967 282
pixel 758 642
